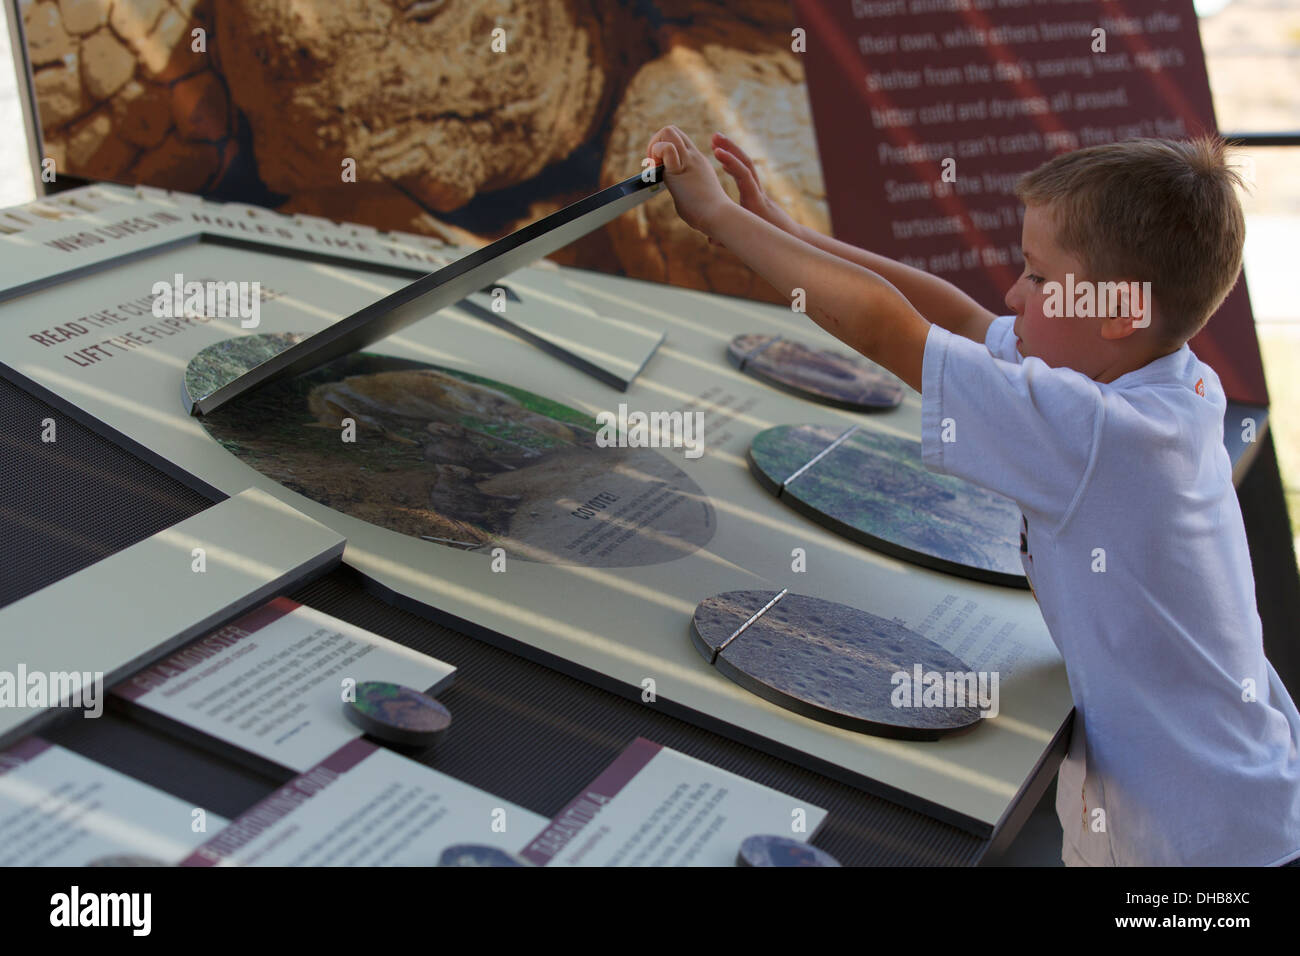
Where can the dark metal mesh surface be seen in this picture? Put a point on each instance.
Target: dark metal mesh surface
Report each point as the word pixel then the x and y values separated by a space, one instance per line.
pixel 68 503
pixel 522 731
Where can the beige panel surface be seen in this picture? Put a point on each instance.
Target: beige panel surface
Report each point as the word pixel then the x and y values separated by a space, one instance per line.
pixel 132 607
pixel 628 623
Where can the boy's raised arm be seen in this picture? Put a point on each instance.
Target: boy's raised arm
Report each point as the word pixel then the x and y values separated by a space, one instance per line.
pixel 853 303
pixel 938 300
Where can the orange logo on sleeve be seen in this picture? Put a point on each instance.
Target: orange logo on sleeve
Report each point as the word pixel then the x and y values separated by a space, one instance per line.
pixel 1200 387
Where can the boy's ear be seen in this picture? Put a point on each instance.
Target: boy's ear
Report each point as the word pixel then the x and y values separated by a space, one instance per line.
pixel 1133 311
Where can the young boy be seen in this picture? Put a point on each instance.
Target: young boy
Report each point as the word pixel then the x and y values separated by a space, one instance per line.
pixel 1108 433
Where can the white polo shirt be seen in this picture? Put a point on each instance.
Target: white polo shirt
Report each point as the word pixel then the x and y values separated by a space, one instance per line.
pixel 1186 745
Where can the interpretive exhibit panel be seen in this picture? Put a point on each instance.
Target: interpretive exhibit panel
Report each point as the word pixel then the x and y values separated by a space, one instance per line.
pixel 134 606
pixel 461 277
pixel 93 346
pixel 656 807
pixel 58 808
pixel 595 338
pixel 365 806
pixel 536 304
pixel 271 681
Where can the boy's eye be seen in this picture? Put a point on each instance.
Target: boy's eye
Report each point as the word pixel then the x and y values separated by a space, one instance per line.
pixel 1036 280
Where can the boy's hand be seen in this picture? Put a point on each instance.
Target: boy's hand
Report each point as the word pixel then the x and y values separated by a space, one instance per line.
pixel 850 301
pixel 697 194
pixel 752 197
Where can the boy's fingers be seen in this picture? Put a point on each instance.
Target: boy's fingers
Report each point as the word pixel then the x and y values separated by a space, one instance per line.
pixel 665 135
pixel 666 152
pixel 683 142
pixel 656 138
pixel 680 140
pixel 731 146
pixel 685 148
pixel 673 155
pixel 741 173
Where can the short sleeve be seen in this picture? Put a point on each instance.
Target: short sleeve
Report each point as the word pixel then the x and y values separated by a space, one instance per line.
pixel 1019 428
pixel 1001 338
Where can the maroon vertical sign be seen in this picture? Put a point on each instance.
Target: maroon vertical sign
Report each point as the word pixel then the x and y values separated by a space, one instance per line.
pixel 927 111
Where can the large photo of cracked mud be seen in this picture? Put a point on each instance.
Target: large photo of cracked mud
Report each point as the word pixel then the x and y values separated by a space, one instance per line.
pixel 453 459
pixel 263 101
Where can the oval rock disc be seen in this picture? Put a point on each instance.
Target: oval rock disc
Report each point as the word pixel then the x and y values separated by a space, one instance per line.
pixel 835 663
pixel 768 850
pixel 873 488
pixel 397 714
pixel 478 854
pixel 127 859
pixel 843 379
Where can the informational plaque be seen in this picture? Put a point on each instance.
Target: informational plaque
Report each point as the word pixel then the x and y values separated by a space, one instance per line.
pixel 656 807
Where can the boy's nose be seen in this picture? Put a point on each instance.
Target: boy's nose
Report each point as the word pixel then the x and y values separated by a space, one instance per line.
pixel 1013 299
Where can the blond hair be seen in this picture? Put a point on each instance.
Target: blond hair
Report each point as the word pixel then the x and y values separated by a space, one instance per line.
pixel 1157 210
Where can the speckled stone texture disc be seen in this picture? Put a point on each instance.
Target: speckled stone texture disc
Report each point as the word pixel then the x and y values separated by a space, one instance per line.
pixel 843 379
pixel 476 854
pixel 828 661
pixel 765 850
pixel 872 488
pixel 397 714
